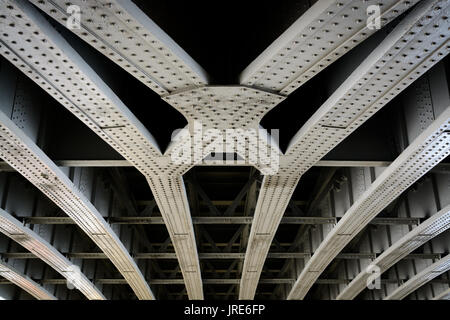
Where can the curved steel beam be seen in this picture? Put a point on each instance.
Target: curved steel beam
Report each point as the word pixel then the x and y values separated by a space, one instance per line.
pixel 31 241
pixel 23 155
pixel 69 79
pixel 426 231
pixel 127 36
pixel 276 69
pixel 443 296
pixel 428 274
pixel 426 151
pixel 24 282
pixel 323 34
pixel 411 49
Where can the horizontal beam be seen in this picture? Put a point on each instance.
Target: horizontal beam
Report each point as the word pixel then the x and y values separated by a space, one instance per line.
pixel 158 281
pixel 216 202
pixel 221 220
pixel 179 281
pixel 101 163
pixel 216 256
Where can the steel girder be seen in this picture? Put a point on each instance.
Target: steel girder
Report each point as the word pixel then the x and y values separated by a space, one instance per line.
pixel 124 34
pixel 443 296
pixel 411 49
pixel 222 220
pixel 24 282
pixel 177 281
pixel 324 12
pixel 72 82
pixel 351 32
pixel 118 127
pixel 421 278
pixel 323 34
pixel 443 167
pixel 22 153
pixel 217 256
pixel 15 230
pixel 322 50
pixel 427 230
pixel 428 149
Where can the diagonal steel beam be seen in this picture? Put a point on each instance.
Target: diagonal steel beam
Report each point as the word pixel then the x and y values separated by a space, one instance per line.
pixel 323 34
pixel 211 207
pixel 236 235
pixel 427 230
pixel 128 37
pixel 411 49
pixel 170 194
pixel 392 11
pixel 428 149
pixel 421 278
pixel 115 124
pixel 24 282
pixel 13 228
pixel 323 184
pixel 22 154
pixel 73 83
pixel 232 208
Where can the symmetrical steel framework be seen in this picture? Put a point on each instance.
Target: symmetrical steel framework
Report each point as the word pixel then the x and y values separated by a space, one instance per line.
pixel 411 45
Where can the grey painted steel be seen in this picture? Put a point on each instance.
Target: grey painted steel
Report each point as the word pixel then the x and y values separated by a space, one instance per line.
pixel 157 61
pixel 125 163
pixel 324 33
pixel 374 83
pixel 112 121
pixel 443 296
pixel 24 282
pixel 169 189
pixel 12 228
pixel 23 154
pixel 222 220
pixel 424 153
pixel 350 37
pixel 427 230
pixel 421 278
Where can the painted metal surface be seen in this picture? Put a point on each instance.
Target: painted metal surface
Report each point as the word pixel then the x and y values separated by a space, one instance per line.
pixel 14 229
pixel 427 230
pixel 377 80
pixel 21 280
